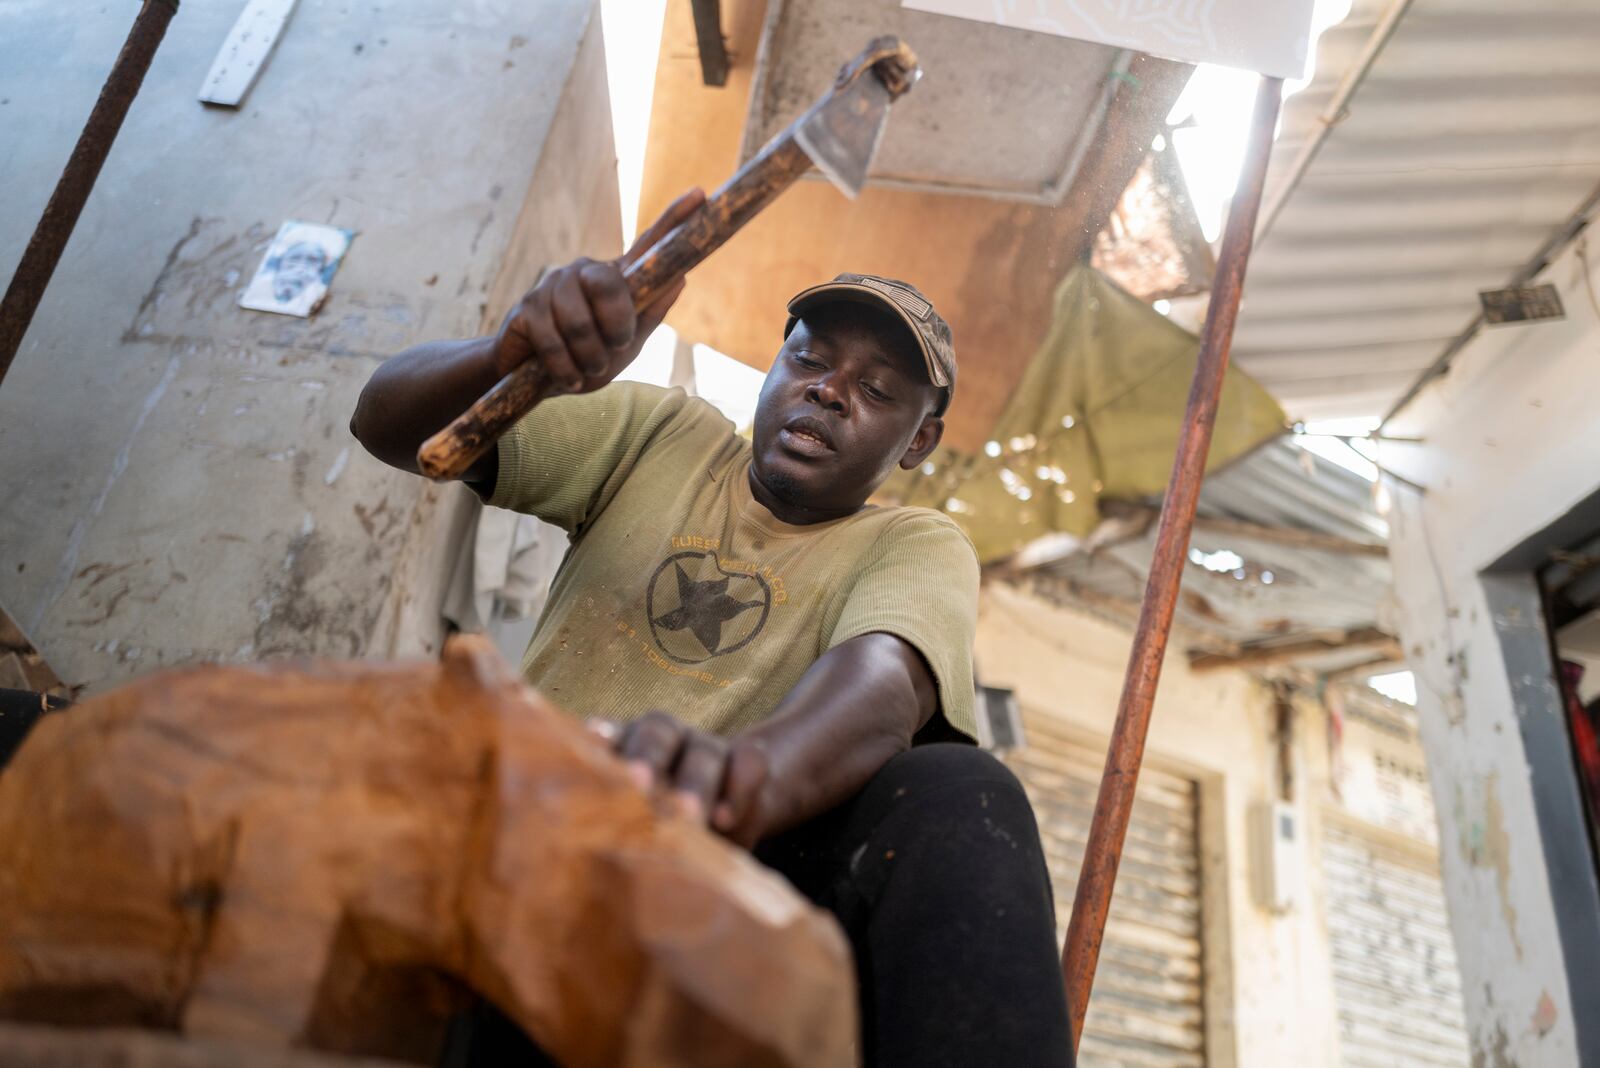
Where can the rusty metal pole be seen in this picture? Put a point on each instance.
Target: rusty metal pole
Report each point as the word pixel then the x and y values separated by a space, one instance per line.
pixel 1103 853
pixel 55 227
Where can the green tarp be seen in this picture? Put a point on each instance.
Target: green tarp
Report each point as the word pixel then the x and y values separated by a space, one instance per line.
pixel 1095 415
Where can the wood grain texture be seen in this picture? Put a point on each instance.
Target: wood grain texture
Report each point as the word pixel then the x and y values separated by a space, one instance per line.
pixel 29 1046
pixel 327 855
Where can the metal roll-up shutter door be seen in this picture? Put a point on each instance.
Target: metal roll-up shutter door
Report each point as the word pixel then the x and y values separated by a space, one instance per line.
pixel 1145 1009
pixel 1395 979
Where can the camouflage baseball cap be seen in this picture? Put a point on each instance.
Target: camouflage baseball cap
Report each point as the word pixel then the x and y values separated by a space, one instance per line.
pixel 932 333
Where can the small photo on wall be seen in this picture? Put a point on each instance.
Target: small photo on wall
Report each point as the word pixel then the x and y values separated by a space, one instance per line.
pixel 294 275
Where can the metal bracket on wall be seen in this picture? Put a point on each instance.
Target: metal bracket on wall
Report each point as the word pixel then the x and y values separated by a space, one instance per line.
pixel 708 37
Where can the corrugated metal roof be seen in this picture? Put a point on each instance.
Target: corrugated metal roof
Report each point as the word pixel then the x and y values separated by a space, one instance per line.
pixel 1280 485
pixel 1311 592
pixel 1473 137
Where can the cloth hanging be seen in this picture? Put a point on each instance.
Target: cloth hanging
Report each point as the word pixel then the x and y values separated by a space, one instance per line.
pixel 1096 414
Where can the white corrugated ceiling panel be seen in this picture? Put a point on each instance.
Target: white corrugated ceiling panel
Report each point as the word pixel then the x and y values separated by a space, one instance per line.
pixel 1472 139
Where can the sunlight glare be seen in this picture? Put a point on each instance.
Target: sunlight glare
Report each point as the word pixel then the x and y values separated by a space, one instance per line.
pixel 1219 101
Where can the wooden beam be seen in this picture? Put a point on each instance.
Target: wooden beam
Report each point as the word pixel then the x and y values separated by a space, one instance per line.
pixel 1299 539
pixel 1390 658
pixel 708 36
pixel 1239 528
pixel 1257 656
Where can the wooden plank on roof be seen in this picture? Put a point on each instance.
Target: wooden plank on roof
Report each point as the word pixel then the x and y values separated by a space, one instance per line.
pixel 1258 656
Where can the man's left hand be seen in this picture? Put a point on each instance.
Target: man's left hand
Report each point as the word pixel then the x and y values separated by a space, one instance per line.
pixel 714 780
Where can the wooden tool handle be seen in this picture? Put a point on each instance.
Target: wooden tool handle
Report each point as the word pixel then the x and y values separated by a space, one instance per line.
pixel 725 212
pixel 450 452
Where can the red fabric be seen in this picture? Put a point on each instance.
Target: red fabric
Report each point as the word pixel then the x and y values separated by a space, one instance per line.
pixel 1585 728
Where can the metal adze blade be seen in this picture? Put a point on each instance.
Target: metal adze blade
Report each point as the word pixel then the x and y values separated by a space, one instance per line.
pixel 841 134
pixel 842 137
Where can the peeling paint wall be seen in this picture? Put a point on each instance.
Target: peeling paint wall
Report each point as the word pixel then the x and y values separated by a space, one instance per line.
pixel 1511 441
pixel 1269 996
pixel 180 482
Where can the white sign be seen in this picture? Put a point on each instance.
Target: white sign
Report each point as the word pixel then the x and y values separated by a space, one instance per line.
pixel 1269 36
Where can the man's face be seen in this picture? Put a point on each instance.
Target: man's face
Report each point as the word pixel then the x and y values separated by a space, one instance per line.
pixel 847 400
pixel 300 267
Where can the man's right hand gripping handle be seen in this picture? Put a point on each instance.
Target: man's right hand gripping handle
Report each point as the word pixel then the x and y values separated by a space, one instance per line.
pixel 578 326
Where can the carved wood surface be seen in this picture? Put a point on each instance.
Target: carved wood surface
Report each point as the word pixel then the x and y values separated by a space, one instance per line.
pixel 32 1046
pixel 326 855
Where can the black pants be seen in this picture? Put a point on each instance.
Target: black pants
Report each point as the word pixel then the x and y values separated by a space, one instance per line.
pixel 936 873
pixel 19 711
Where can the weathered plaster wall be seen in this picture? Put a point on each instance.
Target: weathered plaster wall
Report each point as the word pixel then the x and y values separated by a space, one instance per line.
pixel 1269 994
pixel 1512 443
pixel 179 481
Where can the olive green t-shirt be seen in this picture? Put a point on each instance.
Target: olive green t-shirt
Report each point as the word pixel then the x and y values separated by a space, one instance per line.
pixel 683 593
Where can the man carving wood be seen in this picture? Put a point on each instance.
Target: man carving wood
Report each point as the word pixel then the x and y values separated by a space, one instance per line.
pixel 758 639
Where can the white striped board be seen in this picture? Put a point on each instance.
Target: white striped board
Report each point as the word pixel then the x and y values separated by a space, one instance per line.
pixel 245 51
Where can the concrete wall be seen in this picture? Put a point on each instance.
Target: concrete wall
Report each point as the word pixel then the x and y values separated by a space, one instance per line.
pixel 1268 996
pixel 1512 444
pixel 179 481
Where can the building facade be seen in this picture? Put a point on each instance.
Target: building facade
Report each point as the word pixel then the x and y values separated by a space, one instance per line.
pixel 1232 940
pixel 1504 481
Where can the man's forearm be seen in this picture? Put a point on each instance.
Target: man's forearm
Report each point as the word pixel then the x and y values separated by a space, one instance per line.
pixel 857 706
pixel 415 394
pixel 578 327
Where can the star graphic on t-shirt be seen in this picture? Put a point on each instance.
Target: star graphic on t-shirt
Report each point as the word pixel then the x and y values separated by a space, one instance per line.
pixel 703 607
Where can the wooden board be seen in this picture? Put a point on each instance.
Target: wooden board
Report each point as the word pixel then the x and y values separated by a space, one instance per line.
pixel 244 53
